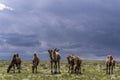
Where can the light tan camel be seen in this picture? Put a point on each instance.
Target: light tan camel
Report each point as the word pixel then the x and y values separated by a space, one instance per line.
pixel 54 60
pixel 35 62
pixel 110 64
pixel 15 61
pixel 74 63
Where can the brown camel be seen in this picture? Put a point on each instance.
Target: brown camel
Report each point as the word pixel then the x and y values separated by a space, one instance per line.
pixel 54 60
pixel 70 60
pixel 110 64
pixel 77 64
pixel 35 62
pixel 15 61
pixel 74 63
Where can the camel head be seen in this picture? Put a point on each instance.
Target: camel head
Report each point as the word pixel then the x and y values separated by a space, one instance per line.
pixel 109 57
pixel 14 56
pixel 70 58
pixel 35 54
pixel 17 55
pixel 57 50
pixel 50 53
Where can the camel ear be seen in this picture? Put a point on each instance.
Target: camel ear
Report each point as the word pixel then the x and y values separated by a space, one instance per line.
pixel 49 51
pixel 14 55
pixel 55 49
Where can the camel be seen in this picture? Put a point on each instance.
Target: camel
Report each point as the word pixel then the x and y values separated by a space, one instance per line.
pixel 74 63
pixel 70 60
pixel 15 61
pixel 55 60
pixel 77 64
pixel 35 62
pixel 110 64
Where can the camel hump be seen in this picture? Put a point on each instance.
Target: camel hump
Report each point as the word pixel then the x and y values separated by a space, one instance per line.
pixel 73 57
pixel 57 53
pixel 76 57
pixel 113 61
pixel 110 57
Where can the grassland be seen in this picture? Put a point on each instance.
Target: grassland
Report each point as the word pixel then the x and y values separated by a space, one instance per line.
pixel 91 70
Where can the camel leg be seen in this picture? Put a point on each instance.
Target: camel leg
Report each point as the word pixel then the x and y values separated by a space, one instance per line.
pixel 55 67
pixel 14 68
pixel 59 67
pixel 36 69
pixel 72 68
pixel 77 70
pixel 9 68
pixel 106 69
pixel 51 67
pixel 114 66
pixel 68 68
pixel 19 68
pixel 111 69
pixel 80 69
pixel 33 69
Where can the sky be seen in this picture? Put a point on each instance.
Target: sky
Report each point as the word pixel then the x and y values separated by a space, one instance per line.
pixel 87 28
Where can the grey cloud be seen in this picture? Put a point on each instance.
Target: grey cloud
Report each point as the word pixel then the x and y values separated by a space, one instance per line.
pixel 21 40
pixel 79 27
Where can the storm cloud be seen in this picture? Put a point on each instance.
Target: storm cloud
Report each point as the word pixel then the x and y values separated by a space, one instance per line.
pixel 88 28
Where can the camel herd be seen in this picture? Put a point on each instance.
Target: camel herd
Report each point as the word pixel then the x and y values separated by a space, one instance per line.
pixel 74 63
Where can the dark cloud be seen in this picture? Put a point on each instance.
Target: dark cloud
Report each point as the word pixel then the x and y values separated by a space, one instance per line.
pixel 89 28
pixel 21 40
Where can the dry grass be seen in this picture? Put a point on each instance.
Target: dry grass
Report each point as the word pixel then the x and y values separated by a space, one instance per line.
pixel 91 70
